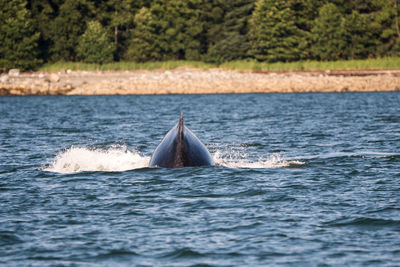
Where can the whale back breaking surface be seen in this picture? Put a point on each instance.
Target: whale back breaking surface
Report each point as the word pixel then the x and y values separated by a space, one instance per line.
pixel 180 148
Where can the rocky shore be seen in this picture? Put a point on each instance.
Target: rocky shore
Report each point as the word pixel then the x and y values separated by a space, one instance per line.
pixel 195 81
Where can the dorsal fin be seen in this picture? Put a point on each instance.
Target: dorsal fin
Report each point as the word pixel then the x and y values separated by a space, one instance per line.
pixel 179 161
pixel 180 126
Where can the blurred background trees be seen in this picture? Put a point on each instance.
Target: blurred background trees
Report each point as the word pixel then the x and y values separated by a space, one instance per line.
pixel 215 31
pixel 95 45
pixel 19 40
pixel 273 32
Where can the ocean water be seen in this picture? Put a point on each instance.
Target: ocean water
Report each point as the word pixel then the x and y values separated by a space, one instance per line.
pixel 300 179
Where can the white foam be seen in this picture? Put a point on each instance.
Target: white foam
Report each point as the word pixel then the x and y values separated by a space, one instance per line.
pixel 115 158
pixel 240 160
pixel 119 158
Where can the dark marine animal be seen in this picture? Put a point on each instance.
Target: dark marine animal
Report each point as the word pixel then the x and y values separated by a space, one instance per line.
pixel 180 148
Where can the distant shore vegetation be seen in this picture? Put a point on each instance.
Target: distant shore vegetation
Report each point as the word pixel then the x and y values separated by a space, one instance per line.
pixel 244 65
pixel 235 34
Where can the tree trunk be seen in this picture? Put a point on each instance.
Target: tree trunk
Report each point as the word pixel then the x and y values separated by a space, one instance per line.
pixel 397 17
pixel 116 30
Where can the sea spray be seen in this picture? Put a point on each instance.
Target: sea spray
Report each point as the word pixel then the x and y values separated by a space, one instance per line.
pixel 232 158
pixel 115 158
pixel 119 158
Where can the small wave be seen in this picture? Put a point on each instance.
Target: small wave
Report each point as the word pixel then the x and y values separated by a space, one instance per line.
pixel 240 160
pixel 115 158
pixel 116 253
pixel 356 154
pixel 180 253
pixel 365 222
pixel 9 238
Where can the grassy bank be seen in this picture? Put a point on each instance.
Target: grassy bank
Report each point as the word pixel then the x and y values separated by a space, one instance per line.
pixel 125 65
pixel 379 63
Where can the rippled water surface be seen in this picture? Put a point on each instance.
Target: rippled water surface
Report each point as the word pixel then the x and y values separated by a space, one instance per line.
pixel 301 179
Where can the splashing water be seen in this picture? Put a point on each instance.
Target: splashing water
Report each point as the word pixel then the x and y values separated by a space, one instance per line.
pixel 116 158
pixel 119 158
pixel 240 160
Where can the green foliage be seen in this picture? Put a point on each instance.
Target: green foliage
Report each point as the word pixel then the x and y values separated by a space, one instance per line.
pixel 144 45
pixel 358 36
pixel 125 65
pixel 43 13
pixel 230 41
pixel 118 17
pixel 375 63
pixel 18 38
pixel 274 35
pixel 245 65
pixel 329 34
pixel 214 31
pixel 68 26
pixel 386 22
pixel 304 13
pixel 167 30
pixel 94 45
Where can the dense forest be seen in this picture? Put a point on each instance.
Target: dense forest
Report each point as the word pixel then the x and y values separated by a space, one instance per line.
pixel 38 31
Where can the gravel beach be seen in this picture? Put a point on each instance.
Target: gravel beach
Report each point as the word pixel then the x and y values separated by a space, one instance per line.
pixel 195 81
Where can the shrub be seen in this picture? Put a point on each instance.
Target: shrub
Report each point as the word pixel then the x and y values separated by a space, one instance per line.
pixel 95 45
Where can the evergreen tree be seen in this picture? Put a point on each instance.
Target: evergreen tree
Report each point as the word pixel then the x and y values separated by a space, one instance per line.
pixel 212 16
pixel 274 35
pixel 167 30
pixel 231 42
pixel 211 30
pixel 359 42
pixel 304 12
pixel 116 14
pixel 68 26
pixel 118 18
pixel 144 42
pixel 43 13
pixel 18 38
pixel 328 34
pixel 185 29
pixel 386 25
pixel 94 45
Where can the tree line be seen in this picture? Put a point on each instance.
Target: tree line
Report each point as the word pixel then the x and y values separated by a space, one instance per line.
pixel 38 31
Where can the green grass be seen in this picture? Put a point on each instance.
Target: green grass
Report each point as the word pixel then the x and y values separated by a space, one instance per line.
pixel 125 65
pixel 378 63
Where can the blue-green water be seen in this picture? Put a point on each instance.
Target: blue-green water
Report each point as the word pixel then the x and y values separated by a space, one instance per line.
pixel 301 179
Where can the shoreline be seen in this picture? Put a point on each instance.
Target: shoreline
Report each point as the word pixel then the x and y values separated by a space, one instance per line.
pixel 187 80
